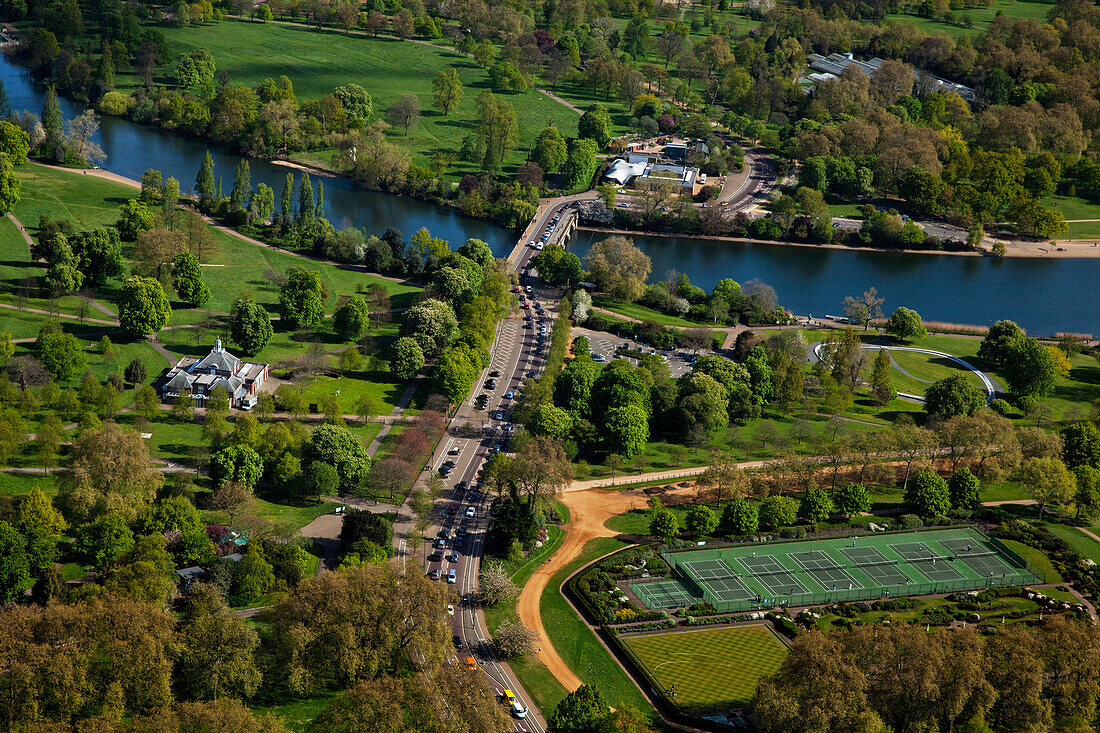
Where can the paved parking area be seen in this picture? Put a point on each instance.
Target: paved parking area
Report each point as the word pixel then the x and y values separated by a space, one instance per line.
pixel 605 344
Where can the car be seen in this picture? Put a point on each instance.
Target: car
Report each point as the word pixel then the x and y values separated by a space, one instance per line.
pixel 453 557
pixel 599 358
pixel 450 610
pixel 440 544
pixel 449 463
pixel 471 664
pixel 498 415
pixel 457 640
pixel 461 486
pixel 540 245
pixel 435 574
pixel 509 395
pixel 444 471
pixel 508 696
pixel 435 557
pixel 518 710
pixel 461 531
pixel 621 205
pixel 528 289
pixel 452 576
pixel 494 373
pixel 452 511
pixel 454 451
pixel 529 374
pixel 471 511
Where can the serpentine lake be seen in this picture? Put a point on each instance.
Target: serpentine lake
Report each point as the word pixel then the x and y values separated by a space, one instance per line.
pixel 1042 295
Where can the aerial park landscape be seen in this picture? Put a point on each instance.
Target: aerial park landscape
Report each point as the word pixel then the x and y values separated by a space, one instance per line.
pixel 549 367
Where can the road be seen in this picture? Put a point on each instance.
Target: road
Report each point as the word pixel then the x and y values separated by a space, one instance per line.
pixel 462 515
pixel 751 189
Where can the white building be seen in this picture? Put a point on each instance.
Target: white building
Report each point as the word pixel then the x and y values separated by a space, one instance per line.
pixel 242 380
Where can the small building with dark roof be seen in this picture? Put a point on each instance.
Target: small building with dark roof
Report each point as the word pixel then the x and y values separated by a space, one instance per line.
pixel 241 380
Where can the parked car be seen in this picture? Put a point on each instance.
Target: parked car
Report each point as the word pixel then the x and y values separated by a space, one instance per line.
pixel 470 511
pixel 458 642
pixel 435 574
pixel 453 557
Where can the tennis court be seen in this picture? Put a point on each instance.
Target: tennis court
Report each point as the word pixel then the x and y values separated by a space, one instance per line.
pixel 880 569
pixel 866 567
pixel 665 594
pixel 920 556
pixel 825 570
pixel 776 579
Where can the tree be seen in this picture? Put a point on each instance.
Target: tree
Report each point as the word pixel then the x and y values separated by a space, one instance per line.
pixel 104 541
pixel 864 308
pixel 550 149
pixel 579 712
pixel 204 182
pixel 109 471
pixel 262 205
pixel 237 463
pixel 1030 369
pixel 218 657
pixel 356 100
pixel 496 132
pixel 60 352
pixel 319 479
pixel 432 324
pixel 619 267
pixel 778 511
pixel 965 489
pixel 351 320
pixel 816 506
pixel 338 446
pixel 880 378
pixel 495 584
pixel 10 185
pixel 143 307
pixel 513 640
pixel 1087 498
pixel 905 325
pixel 405 112
pixel 53 139
pixel 15 576
pixel 302 300
pixel 852 499
pixel 195 72
pixel 1081 445
pixel 242 186
pixel 739 517
pixel 663 525
pixel 1000 342
pixel 252 577
pixel 187 273
pixel 1049 482
pixel 408 358
pixel 701 520
pixel 626 430
pixel 954 395
pixel 447 90
pixel 250 325
pixel 595 125
pixel 929 495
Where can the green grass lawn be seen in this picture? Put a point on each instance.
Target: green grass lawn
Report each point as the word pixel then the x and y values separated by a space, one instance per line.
pixel 297 714
pixel 710 669
pixel 981 17
pixel 317 62
pixel 642 313
pixel 1075 538
pixel 1037 559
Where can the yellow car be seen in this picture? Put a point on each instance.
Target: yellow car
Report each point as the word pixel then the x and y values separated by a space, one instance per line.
pixel 509 697
pixel 471 663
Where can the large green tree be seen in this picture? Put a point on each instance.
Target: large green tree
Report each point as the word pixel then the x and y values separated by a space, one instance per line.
pixel 928 494
pixel 250 325
pixel 954 395
pixel 338 447
pixel 302 300
pixel 143 308
pixel 187 276
pixel 352 319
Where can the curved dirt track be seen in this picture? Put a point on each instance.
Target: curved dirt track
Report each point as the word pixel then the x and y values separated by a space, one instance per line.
pixel 588 510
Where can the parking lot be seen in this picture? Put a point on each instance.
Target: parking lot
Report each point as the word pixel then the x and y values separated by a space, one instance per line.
pixel 605 344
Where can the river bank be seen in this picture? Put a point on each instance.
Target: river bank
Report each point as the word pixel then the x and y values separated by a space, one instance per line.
pixel 1064 249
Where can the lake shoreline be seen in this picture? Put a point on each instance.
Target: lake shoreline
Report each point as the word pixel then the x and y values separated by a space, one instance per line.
pixel 1039 250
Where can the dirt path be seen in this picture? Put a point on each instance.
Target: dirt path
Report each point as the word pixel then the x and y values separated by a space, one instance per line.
pixel 588 510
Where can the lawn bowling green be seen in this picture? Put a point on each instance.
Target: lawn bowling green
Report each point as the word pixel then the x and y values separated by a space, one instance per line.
pixel 810 572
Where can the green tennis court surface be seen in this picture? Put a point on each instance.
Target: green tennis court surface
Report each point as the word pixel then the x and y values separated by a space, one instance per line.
pixel 665 594
pixel 867 567
pixel 710 670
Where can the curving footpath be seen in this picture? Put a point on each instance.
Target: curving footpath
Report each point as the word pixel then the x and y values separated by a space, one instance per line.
pixel 990 385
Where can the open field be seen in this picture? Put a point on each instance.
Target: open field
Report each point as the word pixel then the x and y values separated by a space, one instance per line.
pixel 711 669
pixel 317 62
pixel 980 17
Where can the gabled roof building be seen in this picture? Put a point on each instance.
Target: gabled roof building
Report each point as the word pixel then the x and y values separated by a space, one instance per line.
pixel 242 380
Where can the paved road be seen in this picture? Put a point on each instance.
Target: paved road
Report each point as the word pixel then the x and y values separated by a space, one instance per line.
pixel 747 192
pixel 462 515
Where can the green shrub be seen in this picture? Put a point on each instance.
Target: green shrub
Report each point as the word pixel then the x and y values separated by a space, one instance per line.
pixel 910 521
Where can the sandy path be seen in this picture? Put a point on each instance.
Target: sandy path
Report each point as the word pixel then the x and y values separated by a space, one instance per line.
pixel 588 510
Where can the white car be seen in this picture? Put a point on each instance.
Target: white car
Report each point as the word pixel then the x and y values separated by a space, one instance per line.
pixel 518 710
pixel 470 511
pixel 450 610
